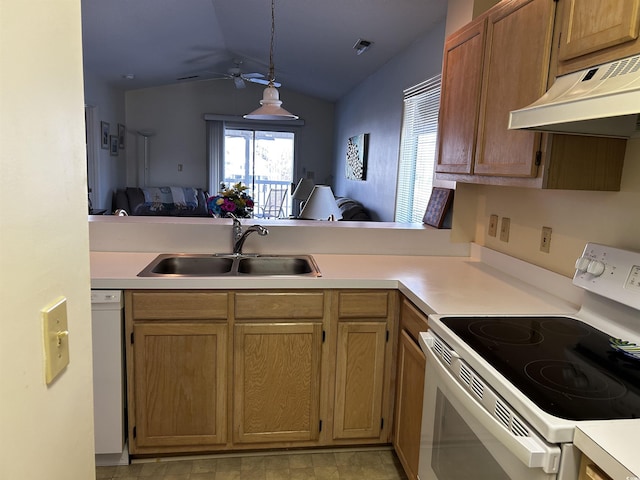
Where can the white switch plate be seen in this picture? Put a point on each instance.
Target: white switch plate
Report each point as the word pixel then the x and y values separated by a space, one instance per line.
pixel 56 339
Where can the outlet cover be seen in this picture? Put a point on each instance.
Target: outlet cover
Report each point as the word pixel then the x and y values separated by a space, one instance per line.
pixel 545 239
pixel 493 226
pixel 504 229
pixel 56 339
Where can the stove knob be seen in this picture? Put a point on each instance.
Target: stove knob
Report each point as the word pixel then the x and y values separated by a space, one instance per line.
pixel 582 263
pixel 595 268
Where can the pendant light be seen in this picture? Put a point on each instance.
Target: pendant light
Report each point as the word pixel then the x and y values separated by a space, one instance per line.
pixel 271 109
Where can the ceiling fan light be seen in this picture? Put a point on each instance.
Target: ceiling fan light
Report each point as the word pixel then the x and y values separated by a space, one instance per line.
pixel 271 107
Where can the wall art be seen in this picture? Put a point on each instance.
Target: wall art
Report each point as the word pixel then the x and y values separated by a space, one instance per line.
pixel 104 129
pixel 356 164
pixel 438 206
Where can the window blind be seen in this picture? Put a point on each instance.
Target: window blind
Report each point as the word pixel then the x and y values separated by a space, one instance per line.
pixel 418 147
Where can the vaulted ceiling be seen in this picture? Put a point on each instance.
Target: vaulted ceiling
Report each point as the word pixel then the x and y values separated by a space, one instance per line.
pixel 161 41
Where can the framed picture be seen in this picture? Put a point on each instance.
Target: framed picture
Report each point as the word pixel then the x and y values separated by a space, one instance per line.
pixel 438 206
pixel 356 164
pixel 104 129
pixel 121 135
pixel 113 139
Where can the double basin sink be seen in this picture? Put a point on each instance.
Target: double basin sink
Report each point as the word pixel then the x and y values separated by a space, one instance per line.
pixel 208 265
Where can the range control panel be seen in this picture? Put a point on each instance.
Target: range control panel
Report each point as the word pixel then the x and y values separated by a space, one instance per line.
pixel 611 272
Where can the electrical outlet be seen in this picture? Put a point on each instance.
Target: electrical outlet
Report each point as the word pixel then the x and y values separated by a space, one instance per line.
pixel 493 226
pixel 545 239
pixel 504 229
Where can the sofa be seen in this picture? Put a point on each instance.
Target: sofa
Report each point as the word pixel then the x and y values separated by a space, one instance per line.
pixel 352 210
pixel 192 202
pixel 161 201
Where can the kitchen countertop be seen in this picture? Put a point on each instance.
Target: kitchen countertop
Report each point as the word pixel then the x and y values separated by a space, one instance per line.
pixel 435 284
pixel 616 453
pixel 485 282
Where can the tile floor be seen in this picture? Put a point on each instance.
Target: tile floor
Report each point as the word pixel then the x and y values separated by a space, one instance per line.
pixel 316 465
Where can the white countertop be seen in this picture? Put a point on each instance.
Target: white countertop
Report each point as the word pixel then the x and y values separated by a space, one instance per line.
pixel 484 283
pixel 436 284
pixel 615 452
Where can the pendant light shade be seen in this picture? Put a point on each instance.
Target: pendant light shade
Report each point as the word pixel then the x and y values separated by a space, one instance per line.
pixel 271 104
pixel 271 109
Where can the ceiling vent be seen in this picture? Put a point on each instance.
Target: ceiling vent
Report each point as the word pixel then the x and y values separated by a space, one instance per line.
pixel 362 46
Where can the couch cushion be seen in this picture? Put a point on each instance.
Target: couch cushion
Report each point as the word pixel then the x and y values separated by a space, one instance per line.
pixel 174 201
pixel 352 209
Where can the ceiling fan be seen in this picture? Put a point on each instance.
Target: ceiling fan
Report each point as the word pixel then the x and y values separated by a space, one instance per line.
pixel 235 73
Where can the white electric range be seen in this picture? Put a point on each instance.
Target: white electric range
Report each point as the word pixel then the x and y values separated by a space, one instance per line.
pixel 505 393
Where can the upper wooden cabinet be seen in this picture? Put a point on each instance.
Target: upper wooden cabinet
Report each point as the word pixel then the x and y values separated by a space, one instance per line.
pixel 460 98
pixel 512 46
pixel 597 31
pixel 515 74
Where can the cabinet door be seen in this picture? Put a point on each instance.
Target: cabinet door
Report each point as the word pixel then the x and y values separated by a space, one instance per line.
pixel 180 384
pixel 460 98
pixel 359 379
pixel 277 382
pixel 516 66
pixel 411 366
pixel 592 25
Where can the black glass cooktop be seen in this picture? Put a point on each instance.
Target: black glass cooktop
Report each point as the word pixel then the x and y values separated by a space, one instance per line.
pixel 566 367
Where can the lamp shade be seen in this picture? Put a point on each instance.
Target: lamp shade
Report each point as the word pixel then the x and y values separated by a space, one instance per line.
pixel 303 189
pixel 271 109
pixel 321 205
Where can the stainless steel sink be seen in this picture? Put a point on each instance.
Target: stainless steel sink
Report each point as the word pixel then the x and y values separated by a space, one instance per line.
pixel 205 265
pixel 275 266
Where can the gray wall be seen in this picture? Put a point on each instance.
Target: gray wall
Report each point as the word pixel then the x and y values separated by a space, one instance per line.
pixel 108 105
pixel 175 114
pixel 375 107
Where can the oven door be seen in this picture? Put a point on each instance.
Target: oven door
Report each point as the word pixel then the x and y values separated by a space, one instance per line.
pixel 460 439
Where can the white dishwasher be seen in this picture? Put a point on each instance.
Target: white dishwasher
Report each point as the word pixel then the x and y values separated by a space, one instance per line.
pixel 108 377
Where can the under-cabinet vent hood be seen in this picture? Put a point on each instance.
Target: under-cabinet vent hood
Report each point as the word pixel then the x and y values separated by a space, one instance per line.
pixel 600 101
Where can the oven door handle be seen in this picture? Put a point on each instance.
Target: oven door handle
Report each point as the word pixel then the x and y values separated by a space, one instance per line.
pixel 532 450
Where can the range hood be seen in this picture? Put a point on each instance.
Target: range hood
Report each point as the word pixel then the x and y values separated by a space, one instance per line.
pixel 601 101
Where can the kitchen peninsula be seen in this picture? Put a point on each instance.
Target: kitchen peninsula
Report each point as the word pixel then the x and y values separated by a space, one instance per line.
pixel 414 263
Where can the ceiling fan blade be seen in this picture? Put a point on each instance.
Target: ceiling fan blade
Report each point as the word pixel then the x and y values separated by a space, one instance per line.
pixel 263 81
pixel 239 82
pixel 247 76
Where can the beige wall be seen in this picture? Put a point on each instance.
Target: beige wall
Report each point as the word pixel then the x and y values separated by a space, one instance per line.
pixel 46 432
pixel 576 217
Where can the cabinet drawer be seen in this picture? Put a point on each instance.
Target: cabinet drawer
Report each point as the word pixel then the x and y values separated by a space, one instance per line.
pixel 412 320
pixel 186 305
pixel 363 304
pixel 279 305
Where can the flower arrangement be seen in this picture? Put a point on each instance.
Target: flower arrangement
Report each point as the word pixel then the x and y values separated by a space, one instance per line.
pixel 234 200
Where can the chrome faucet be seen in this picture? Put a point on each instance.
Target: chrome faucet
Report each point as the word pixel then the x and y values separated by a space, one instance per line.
pixel 239 237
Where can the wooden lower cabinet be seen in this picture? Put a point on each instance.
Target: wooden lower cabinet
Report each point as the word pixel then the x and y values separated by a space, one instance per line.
pixel 180 383
pixel 277 382
pixel 410 388
pixel 359 380
pixel 364 377
pixel 214 370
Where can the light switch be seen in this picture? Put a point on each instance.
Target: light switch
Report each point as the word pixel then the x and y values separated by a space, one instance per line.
pixel 56 339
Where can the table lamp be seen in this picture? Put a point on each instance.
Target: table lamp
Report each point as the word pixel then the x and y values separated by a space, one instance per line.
pixel 321 205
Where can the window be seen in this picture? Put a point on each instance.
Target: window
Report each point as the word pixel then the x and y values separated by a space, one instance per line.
pixel 261 157
pixel 418 147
